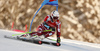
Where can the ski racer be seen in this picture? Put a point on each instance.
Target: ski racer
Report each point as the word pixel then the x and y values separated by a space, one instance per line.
pixel 47 28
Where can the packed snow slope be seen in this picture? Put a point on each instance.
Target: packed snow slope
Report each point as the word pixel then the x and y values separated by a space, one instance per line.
pixel 66 45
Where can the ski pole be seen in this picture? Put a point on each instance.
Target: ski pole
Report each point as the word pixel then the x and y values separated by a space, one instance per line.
pixel 21 33
pixel 52 39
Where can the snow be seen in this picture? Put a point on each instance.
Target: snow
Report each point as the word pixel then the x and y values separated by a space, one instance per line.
pixel 66 45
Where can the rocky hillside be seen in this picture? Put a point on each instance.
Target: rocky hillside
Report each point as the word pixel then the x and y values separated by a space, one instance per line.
pixel 80 18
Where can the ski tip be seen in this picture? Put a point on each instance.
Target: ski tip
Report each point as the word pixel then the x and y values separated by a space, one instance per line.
pixel 5 36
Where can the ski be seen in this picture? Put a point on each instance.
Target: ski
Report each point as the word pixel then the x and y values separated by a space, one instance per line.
pixel 33 40
pixel 51 43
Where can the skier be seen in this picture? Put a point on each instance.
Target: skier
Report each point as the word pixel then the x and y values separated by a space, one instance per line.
pixel 47 28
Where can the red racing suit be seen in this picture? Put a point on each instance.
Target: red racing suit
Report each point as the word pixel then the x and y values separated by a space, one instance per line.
pixel 48 24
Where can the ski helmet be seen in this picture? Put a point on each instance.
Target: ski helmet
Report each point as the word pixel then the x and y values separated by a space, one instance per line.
pixel 55 15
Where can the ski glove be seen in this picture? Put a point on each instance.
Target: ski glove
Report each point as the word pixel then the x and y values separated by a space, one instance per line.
pixel 58 39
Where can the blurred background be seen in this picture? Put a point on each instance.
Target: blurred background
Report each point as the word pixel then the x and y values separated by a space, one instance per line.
pixel 80 18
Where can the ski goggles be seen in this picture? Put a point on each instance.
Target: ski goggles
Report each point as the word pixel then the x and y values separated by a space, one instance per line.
pixel 55 18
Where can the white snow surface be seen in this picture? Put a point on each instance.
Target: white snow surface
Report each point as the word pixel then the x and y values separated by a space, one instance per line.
pixel 66 44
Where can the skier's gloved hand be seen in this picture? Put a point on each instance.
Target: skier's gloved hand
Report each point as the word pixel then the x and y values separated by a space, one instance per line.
pixel 53 29
pixel 58 40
